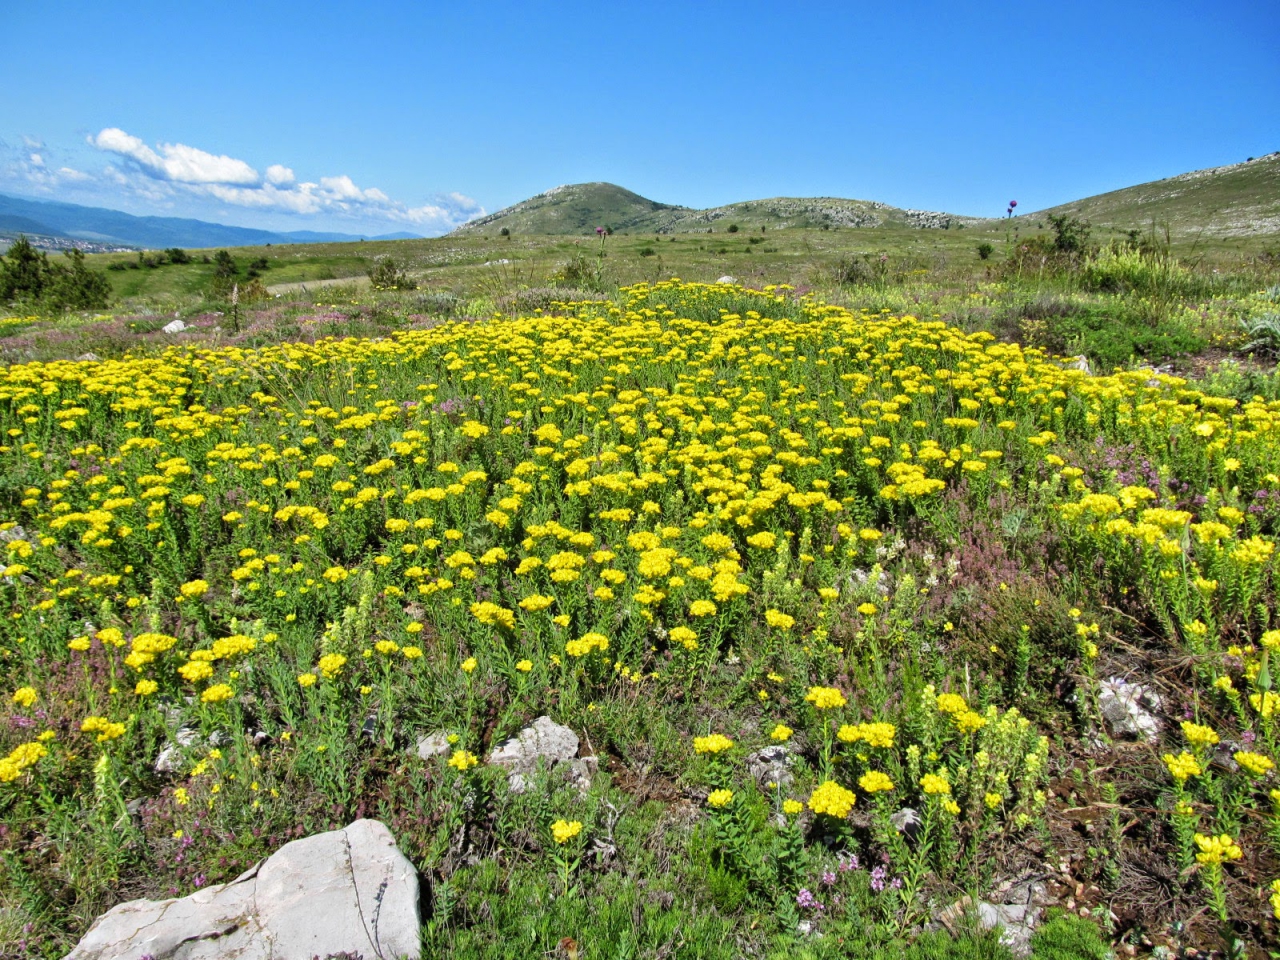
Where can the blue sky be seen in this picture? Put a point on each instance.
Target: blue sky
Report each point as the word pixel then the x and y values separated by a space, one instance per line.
pixel 380 117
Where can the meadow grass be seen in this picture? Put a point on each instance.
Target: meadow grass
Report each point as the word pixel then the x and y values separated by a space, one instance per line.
pixel 689 520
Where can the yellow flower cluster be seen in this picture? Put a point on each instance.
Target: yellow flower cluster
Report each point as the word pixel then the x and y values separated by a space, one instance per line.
pixel 1215 851
pixel 713 743
pixel 565 830
pixel 825 698
pixel 832 799
pixel 873 734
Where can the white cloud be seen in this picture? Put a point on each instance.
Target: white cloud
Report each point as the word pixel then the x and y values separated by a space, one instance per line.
pixel 176 161
pixel 176 176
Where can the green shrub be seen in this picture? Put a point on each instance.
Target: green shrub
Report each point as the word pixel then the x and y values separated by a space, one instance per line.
pixel 387 275
pixel 1068 937
pixel 985 250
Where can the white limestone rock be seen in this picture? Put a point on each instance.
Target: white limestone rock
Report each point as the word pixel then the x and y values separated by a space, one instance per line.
pixel 346 891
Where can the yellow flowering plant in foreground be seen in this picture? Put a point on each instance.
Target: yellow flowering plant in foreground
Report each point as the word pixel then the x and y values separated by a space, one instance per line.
pixel 737 509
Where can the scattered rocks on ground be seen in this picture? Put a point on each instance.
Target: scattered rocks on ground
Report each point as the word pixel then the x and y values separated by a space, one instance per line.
pixel 174 326
pixel 1080 363
pixel 1128 709
pixel 1017 913
pixel 88 358
pixel 727 279
pixel 544 742
pixel 348 892
pixel 770 765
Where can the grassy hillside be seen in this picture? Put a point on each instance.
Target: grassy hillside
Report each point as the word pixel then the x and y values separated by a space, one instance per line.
pixel 572 209
pixel 1239 200
pixel 580 208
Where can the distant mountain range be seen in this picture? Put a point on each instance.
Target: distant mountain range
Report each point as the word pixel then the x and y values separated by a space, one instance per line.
pixel 1235 200
pixel 42 218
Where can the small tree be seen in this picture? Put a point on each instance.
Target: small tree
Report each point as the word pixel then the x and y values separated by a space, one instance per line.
pixel 985 250
pixel 24 272
pixel 225 274
pixel 387 275
pixel 1070 234
pixel 177 255
pixel 73 286
pixel 27 276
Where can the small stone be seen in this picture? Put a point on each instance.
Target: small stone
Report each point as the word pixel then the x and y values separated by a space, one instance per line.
pixel 544 739
pixel 907 822
pixel 543 743
pixel 770 765
pixel 88 358
pixel 433 745
pixel 1127 709
pixel 1080 363
pixel 727 279
pixel 174 326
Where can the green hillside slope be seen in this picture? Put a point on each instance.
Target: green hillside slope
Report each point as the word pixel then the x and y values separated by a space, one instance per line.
pixel 1238 200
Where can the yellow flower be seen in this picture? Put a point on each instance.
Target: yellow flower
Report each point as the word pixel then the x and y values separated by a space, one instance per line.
pixel 25 696
pixel 331 665
pixel 586 643
pixel 825 698
pixel 792 807
pixel 1255 764
pixel 1182 766
pixel 469 665
pixel 217 693
pixel 194 589
pixel 720 798
pixel 951 703
pixel 867 609
pixel 874 734
pixel 193 671
pixel 779 621
pixel 969 721
pixel 992 800
pixel 1200 737
pixel 935 784
pixel 702 608
pixel 714 743
pixel 306 679
pixel 462 760
pixel 832 799
pixel 524 666
pixel 565 830
pixel 411 653
pixel 874 781
pixel 144 688
pixel 781 733
pixel 1214 851
pixel 1266 703
pixel 104 728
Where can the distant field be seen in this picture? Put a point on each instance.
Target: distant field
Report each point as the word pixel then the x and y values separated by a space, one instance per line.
pixel 474 265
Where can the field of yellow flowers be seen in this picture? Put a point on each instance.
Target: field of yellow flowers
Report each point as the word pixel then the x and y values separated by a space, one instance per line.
pixel 692 524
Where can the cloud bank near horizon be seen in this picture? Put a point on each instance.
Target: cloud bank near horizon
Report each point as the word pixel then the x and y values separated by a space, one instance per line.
pixel 167 172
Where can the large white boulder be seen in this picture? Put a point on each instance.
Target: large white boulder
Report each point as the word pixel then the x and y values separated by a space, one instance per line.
pixel 347 891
